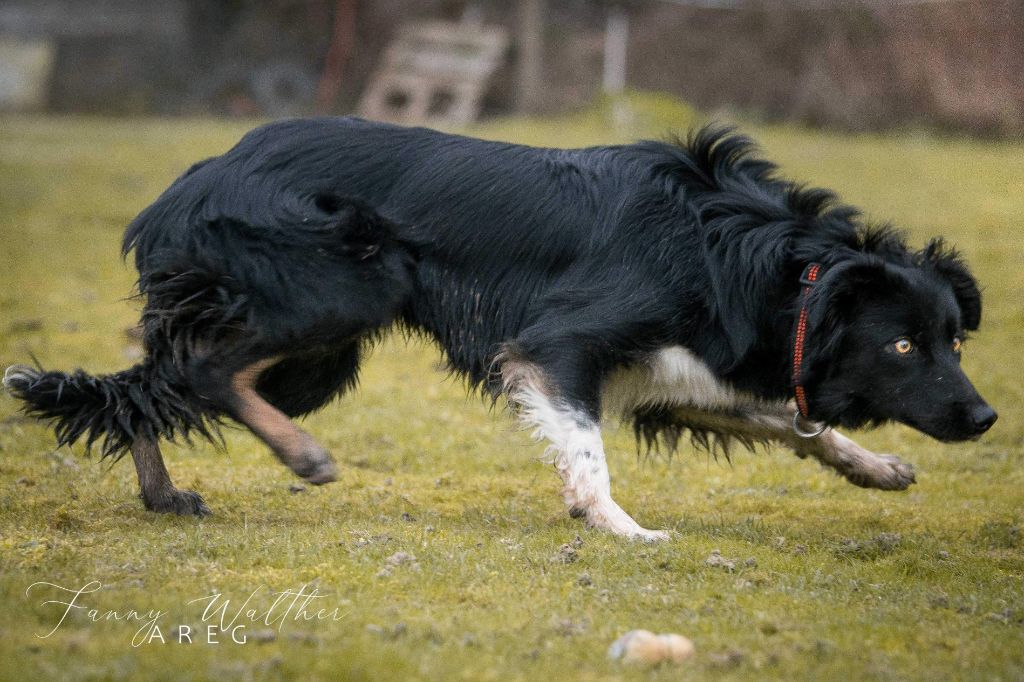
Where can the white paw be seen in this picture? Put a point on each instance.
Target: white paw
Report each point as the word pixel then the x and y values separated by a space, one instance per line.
pixel 652 535
pixel 609 516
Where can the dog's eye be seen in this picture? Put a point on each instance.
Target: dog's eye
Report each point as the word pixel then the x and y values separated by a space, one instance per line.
pixel 903 346
pixel 957 344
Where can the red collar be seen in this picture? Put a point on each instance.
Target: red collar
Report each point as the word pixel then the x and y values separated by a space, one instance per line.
pixel 808 278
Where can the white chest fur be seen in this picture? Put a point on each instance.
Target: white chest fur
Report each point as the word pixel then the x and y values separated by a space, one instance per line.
pixel 670 376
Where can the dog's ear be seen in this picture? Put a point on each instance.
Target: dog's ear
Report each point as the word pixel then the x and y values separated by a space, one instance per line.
pixel 951 267
pixel 351 227
pixel 363 231
pixel 739 271
pixel 847 285
pixel 843 289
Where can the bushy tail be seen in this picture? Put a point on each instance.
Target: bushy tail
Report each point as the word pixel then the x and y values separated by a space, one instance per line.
pixel 114 408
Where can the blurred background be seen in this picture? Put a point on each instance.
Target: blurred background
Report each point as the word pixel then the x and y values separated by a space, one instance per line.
pixel 944 65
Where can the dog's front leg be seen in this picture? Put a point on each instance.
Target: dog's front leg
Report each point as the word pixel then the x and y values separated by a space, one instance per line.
pixel 767 423
pixel 856 464
pixel 579 458
pixel 576 449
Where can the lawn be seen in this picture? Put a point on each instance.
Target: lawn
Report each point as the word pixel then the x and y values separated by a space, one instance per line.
pixel 439 553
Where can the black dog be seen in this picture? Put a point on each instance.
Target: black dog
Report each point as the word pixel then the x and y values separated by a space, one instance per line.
pixel 684 286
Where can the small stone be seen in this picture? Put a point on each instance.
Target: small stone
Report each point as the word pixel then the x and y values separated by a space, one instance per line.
pixel 751 562
pixel 577 543
pixel 66 462
pixel 566 554
pixel 400 559
pixel 800 549
pixel 646 648
pixel 584 580
pixel 407 517
pixel 296 488
pixel 726 659
pixel 566 627
pixel 716 560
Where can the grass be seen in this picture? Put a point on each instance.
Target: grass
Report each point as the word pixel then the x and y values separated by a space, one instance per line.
pixel 826 580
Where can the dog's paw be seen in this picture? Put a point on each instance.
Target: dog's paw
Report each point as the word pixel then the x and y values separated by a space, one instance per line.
pixel 324 472
pixel 180 502
pixel 633 531
pixel 611 517
pixel 885 472
pixel 652 535
pixel 317 467
pixel 902 473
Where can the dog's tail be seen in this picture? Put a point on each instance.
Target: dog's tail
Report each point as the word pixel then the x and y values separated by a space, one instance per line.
pixel 114 409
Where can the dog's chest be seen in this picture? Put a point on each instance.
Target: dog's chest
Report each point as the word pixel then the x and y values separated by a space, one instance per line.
pixel 670 376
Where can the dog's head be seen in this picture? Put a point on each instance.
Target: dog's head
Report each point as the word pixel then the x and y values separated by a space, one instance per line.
pixel 885 345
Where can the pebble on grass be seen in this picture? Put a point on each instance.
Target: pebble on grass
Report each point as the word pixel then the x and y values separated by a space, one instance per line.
pixel 646 648
pixel 716 560
pixel 401 558
pixel 566 554
pixel 395 560
pixel 730 658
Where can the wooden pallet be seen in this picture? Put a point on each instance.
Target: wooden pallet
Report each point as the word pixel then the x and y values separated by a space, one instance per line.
pixel 434 73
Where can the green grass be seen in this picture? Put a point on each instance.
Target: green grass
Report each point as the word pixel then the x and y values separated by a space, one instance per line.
pixel 840 583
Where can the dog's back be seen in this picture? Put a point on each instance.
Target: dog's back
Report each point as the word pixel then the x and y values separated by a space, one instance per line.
pixel 494 225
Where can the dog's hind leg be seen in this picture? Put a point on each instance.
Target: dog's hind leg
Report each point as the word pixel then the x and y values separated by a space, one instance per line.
pixel 293 446
pixel 577 448
pixel 158 493
pixel 229 382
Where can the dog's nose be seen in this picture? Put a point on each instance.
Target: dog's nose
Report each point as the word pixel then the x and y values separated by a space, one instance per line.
pixel 984 417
